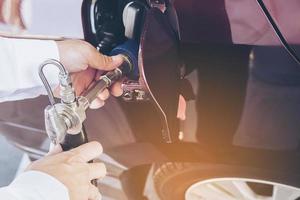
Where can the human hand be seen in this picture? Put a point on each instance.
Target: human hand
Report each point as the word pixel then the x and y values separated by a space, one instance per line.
pixel 71 169
pixel 86 64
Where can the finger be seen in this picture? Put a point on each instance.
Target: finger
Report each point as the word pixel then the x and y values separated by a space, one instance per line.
pixel 97 103
pixel 82 80
pixel 104 95
pixel 103 62
pixel 116 89
pixel 96 170
pixel 94 193
pixel 54 150
pixel 87 152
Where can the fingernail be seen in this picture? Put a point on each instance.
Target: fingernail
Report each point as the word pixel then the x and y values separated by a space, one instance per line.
pixel 104 95
pixel 97 103
pixel 118 59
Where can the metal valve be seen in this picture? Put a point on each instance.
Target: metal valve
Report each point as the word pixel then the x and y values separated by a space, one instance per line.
pixel 134 91
pixel 67 117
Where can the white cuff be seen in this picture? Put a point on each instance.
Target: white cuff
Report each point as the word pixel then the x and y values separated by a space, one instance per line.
pixel 29 55
pixel 21 60
pixel 35 185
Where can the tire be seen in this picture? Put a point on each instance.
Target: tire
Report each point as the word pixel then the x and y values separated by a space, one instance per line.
pixel 171 180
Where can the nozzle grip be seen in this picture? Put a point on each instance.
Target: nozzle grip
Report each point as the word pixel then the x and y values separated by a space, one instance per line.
pixel 73 141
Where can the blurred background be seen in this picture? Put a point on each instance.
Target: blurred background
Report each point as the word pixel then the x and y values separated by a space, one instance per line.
pixel 43 18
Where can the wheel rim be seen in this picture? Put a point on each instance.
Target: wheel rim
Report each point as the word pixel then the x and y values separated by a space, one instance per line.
pixel 240 189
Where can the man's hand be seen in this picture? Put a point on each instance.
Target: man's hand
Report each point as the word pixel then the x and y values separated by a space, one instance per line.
pixel 85 64
pixel 71 169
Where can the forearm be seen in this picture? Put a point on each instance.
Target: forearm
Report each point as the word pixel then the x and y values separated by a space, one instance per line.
pixel 19 62
pixel 34 185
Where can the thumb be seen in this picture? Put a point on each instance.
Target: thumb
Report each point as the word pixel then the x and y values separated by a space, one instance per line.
pixel 54 150
pixel 103 62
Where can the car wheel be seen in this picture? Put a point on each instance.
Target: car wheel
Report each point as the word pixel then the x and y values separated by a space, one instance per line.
pixel 195 181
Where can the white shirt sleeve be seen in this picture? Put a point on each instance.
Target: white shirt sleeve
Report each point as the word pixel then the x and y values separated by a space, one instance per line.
pixel 34 185
pixel 19 63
